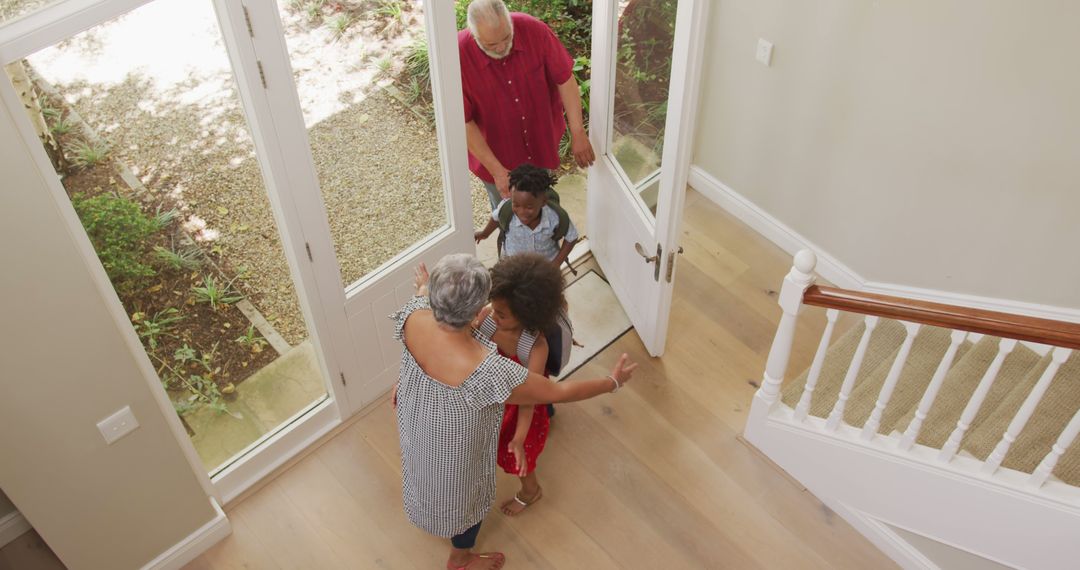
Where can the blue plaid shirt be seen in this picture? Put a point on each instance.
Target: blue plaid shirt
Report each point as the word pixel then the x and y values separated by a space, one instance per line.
pixel 522 239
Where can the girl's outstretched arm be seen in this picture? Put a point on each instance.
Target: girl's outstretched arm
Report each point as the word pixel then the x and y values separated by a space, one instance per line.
pixel 540 390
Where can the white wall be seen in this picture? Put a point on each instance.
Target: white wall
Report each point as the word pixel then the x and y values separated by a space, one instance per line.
pixel 64 366
pixel 927 143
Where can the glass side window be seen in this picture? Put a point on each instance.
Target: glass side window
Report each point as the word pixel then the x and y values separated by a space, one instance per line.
pixel 646 35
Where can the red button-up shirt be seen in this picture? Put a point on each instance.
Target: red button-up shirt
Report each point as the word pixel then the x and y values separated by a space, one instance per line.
pixel 515 100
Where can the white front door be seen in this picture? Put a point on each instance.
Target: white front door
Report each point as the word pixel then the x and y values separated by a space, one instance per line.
pixel 646 65
pixel 399 194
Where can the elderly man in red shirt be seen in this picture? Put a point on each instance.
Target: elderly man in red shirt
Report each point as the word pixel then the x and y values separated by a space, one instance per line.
pixel 517 79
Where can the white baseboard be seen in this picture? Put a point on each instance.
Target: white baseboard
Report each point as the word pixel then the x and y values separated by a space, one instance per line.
pixel 841 275
pixel 195 544
pixel 12 526
pixel 900 550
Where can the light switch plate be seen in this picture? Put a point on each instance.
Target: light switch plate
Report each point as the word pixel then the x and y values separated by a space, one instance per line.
pixel 764 51
pixel 118 425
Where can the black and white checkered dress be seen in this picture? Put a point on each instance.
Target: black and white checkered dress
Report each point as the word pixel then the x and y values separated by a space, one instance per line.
pixel 449 436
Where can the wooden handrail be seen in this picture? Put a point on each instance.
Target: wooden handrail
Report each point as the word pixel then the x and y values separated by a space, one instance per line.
pixel 994 323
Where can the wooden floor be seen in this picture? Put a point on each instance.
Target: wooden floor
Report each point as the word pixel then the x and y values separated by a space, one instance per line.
pixel 655 476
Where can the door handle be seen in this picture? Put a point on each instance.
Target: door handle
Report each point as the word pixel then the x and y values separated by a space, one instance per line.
pixel 648 258
pixel 651 258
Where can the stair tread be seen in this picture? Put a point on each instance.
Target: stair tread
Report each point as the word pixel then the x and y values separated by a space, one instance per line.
pixel 960 384
pixel 926 352
pixel 883 342
pixel 1059 404
pixel 981 439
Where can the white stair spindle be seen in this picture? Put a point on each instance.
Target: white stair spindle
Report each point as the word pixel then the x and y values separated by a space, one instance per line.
pixel 1046 466
pixel 912 431
pixel 791 293
pixel 973 405
pixel 872 424
pixel 837 414
pixel 993 461
pixel 803 408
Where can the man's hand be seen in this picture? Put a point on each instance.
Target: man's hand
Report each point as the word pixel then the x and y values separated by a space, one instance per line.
pixel 502 180
pixel 480 236
pixel 582 148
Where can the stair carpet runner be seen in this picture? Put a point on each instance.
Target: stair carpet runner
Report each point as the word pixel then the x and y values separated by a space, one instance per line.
pixel 1018 375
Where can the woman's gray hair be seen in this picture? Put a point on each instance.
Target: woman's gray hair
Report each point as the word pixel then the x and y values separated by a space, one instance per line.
pixel 488 11
pixel 457 289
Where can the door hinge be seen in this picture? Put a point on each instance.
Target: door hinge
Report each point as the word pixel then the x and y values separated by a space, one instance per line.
pixel 247 18
pixel 307 246
pixel 671 262
pixel 343 382
pixel 262 74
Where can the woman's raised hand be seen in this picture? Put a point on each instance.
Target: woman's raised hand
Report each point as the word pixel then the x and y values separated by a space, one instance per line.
pixel 623 369
pixel 420 279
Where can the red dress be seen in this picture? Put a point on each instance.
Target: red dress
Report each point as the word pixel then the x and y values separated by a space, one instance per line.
pixel 534 440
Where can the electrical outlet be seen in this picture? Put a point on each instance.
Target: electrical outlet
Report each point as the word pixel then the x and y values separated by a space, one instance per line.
pixel 118 425
pixel 764 51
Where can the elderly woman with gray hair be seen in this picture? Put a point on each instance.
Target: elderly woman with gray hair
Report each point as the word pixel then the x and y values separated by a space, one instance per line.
pixel 449 401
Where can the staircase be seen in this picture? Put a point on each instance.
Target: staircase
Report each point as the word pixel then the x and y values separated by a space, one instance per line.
pixel 926 424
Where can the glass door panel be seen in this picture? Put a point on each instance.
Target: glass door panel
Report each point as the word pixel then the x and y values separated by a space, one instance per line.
pixel 152 147
pixel 363 79
pixel 643 52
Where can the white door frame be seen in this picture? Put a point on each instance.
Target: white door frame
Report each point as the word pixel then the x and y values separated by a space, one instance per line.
pixel 618 218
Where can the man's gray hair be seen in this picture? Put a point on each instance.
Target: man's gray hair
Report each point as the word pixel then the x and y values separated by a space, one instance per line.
pixel 487 11
pixel 457 289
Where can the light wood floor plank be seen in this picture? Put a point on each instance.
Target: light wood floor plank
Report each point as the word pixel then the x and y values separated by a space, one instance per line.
pixel 272 519
pixel 352 531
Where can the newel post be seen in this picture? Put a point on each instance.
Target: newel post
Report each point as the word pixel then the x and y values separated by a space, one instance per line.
pixel 797 281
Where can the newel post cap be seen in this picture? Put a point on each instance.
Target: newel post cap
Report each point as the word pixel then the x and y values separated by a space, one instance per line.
pixel 805 261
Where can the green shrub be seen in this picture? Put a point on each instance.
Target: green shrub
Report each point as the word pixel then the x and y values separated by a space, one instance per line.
pixel 119 230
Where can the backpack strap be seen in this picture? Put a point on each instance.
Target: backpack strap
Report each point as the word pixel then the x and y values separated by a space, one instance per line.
pixel 564 222
pixel 503 215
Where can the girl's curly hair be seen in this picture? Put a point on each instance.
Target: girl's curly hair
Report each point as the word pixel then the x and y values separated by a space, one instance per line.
pixel 533 288
pixel 532 179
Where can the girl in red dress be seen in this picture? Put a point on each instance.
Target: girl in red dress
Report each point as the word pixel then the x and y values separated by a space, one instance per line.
pixel 526 296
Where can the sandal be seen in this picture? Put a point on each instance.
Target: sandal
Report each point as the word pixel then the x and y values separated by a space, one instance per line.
pixel 524 504
pixel 498 557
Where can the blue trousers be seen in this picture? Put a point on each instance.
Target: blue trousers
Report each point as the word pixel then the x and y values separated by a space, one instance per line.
pixel 467 539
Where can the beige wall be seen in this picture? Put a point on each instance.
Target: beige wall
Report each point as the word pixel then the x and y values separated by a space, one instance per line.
pixel 928 143
pixel 64 366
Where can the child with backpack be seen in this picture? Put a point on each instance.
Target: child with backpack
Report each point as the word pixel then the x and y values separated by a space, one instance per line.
pixel 531 220
pixel 526 297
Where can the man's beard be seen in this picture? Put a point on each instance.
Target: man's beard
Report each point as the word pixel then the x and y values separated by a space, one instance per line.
pixel 496 55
